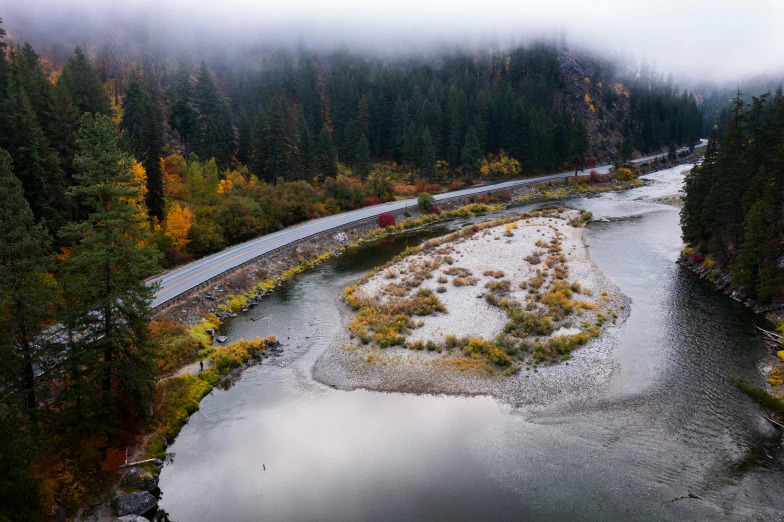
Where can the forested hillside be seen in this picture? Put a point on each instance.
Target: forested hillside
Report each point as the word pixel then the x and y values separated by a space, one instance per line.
pixel 238 147
pixel 732 213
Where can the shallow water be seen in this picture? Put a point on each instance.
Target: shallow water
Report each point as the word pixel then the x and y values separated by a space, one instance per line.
pixel 670 424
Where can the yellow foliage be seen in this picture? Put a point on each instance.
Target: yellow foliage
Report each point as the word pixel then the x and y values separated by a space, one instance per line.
pixel 587 98
pixel 500 166
pixel 618 89
pixel 178 223
pixel 224 186
pixel 592 108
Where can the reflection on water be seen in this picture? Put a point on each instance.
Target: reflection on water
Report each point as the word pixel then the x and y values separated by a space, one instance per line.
pixel 671 425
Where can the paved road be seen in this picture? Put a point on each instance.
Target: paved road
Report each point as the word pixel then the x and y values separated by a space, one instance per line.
pixel 186 277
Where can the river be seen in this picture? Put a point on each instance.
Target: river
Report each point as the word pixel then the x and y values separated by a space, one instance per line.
pixel 669 425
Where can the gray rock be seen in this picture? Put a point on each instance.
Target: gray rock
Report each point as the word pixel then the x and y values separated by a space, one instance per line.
pixel 136 503
pixel 139 478
pixel 132 518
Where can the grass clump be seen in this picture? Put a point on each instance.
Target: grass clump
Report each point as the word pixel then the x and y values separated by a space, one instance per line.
pixel 176 399
pixel 497 274
pixel 388 322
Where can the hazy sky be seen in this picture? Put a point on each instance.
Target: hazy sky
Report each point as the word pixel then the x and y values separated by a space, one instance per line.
pixel 694 39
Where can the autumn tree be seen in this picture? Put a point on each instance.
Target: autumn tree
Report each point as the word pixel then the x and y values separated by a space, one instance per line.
pixel 178 223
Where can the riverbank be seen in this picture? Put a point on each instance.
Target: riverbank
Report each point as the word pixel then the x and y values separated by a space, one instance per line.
pixel 721 278
pixel 498 309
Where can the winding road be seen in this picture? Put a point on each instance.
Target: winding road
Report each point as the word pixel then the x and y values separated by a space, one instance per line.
pixel 176 282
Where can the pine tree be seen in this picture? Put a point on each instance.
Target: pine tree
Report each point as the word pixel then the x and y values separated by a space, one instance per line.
pixel 754 249
pixel 114 245
pixel 578 145
pixel 35 164
pixel 307 153
pixel 27 291
pixel 83 85
pixel 471 155
pixel 326 156
pixel 63 126
pixel 3 63
pixel 257 145
pixel 279 145
pixel 142 137
pixel 244 134
pixel 362 159
pixel 19 494
pixel 213 132
pixel 411 153
pixel 696 187
pixel 182 117
pixel 427 160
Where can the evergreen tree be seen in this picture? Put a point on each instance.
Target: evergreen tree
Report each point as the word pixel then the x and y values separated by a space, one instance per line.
pixel 83 85
pixel 244 138
pixel 280 144
pixel 3 63
pixel 63 126
pixel 257 145
pixel 213 133
pixel 19 494
pixel 114 246
pixel 427 160
pixel 182 117
pixel 672 152
pixel 326 156
pixel 307 153
pixel 578 145
pixel 27 290
pixel 696 186
pixel 35 164
pixel 142 137
pixel 411 141
pixel 754 249
pixel 362 158
pixel 471 155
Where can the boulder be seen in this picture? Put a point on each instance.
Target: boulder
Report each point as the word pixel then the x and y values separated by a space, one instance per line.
pixel 132 518
pixel 136 503
pixel 139 478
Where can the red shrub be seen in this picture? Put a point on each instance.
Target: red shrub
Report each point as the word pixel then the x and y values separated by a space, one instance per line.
pixel 456 185
pixel 386 220
pixel 422 185
pixel 484 198
pixel 504 195
pixel 696 258
pixel 475 228
pixel 369 202
pixel 591 162
pixel 594 177
pixel 434 210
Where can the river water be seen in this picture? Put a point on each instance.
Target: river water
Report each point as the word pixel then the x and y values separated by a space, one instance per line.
pixel 669 425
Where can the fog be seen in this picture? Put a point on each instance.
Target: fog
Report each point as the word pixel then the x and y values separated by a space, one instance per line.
pixel 696 40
